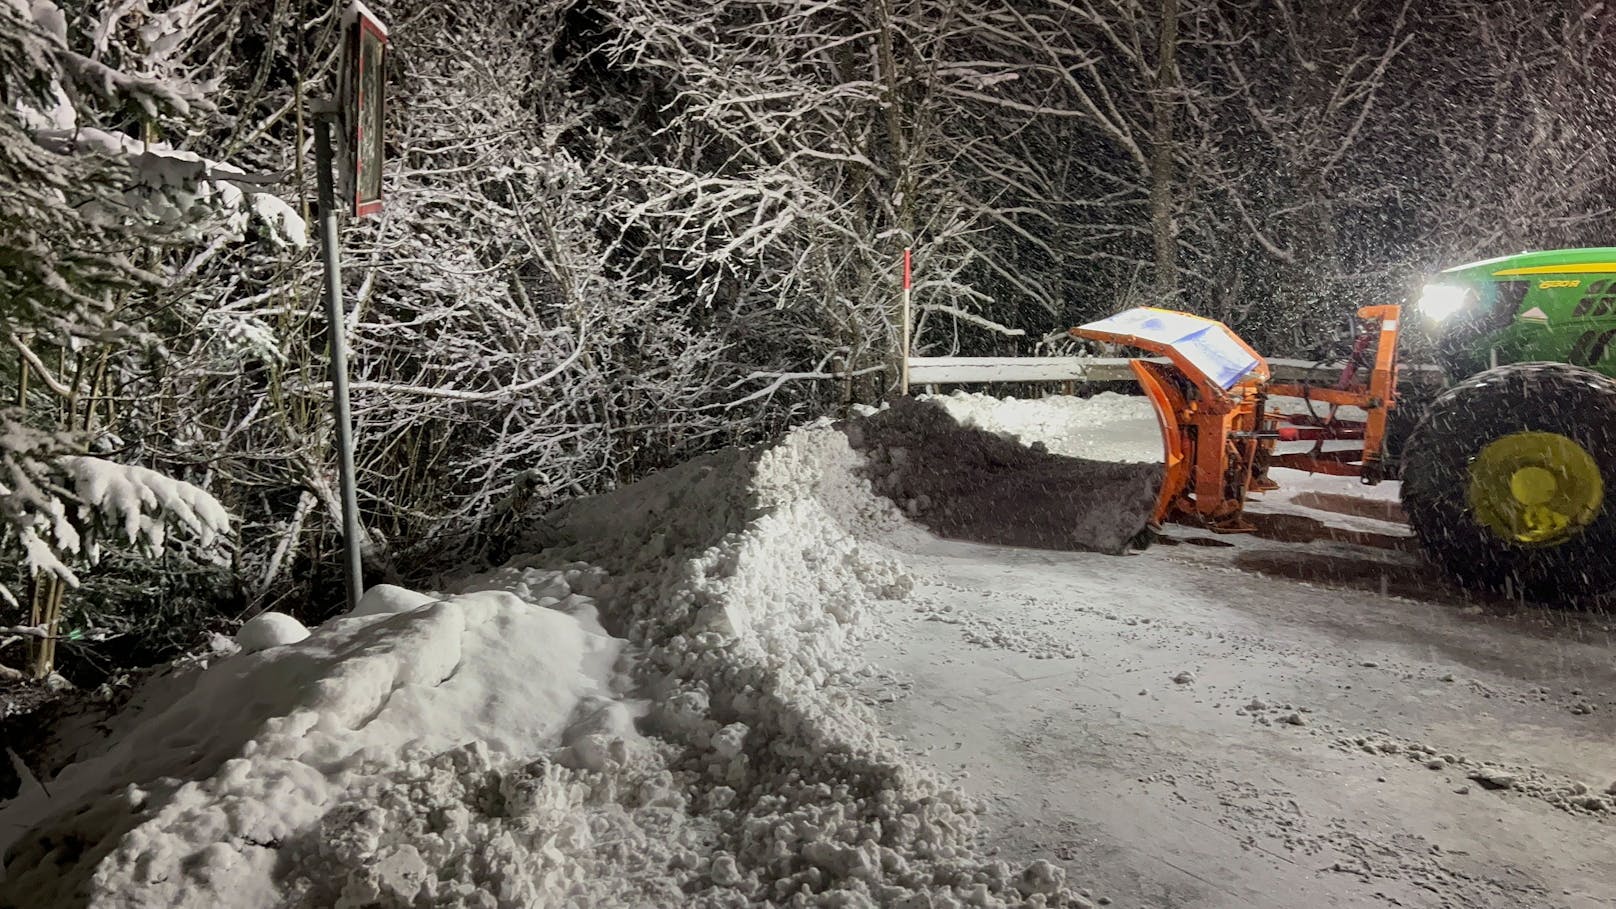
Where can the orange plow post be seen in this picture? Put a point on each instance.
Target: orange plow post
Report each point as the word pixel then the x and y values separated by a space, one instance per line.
pixel 1211 393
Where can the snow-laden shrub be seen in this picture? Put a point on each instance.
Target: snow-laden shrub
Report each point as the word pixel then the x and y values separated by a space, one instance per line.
pixel 92 206
pixel 56 506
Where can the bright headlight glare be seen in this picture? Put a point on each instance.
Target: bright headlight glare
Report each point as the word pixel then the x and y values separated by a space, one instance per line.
pixel 1439 301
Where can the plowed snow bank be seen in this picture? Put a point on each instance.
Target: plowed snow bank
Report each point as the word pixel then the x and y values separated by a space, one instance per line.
pixel 479 747
pixel 971 484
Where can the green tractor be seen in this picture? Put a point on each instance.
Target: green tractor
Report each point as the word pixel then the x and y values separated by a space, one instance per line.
pixel 1509 478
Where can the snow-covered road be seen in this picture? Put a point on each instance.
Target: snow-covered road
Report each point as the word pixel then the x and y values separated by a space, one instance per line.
pixel 1249 721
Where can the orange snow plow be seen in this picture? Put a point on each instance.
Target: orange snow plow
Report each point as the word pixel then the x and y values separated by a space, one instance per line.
pixel 1221 432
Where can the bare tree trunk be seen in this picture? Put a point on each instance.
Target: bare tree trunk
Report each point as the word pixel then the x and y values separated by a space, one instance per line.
pixel 42 588
pixel 1163 153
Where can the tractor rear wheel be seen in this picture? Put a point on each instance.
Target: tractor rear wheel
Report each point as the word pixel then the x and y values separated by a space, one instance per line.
pixel 1510 481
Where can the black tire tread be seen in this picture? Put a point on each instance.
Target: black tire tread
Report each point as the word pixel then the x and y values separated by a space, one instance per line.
pixel 1549 397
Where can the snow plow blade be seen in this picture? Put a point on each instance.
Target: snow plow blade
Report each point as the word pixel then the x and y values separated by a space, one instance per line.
pixel 1220 435
pixel 967 484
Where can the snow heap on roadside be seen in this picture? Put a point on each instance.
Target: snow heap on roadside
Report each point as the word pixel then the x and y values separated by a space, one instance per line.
pixel 296 775
pixel 973 483
pixel 496 745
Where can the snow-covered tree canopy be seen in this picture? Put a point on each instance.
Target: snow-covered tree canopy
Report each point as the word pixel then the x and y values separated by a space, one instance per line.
pixel 84 219
pixel 619 233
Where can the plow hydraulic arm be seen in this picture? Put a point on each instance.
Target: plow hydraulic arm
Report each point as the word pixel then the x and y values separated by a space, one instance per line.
pixel 1212 394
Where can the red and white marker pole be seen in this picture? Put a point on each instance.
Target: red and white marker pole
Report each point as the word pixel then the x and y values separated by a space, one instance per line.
pixel 903 350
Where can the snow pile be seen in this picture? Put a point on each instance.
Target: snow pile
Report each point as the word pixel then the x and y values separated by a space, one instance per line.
pixel 974 484
pixel 272 629
pixel 1106 427
pixel 759 551
pixel 327 772
pixel 494 746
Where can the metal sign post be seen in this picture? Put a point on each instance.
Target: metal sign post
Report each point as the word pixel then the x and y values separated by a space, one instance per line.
pixel 357 117
pixel 335 324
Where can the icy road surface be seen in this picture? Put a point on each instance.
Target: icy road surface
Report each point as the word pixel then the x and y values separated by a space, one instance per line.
pixel 1300 718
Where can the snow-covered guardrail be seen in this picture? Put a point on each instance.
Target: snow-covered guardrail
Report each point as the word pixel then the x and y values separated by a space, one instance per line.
pixel 983 370
pixel 977 370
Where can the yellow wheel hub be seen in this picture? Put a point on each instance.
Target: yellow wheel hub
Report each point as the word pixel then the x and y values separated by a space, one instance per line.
pixel 1535 488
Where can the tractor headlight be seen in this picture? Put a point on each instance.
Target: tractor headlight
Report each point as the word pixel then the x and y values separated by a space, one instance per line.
pixel 1439 301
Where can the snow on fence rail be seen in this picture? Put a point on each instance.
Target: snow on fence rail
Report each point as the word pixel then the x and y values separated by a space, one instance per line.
pixel 983 370
pixel 977 370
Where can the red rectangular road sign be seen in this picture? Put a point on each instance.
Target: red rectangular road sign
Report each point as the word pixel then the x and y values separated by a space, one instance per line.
pixel 363 93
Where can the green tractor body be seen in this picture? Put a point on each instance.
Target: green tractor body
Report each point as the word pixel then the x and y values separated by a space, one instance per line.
pixel 1509 479
pixel 1557 307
